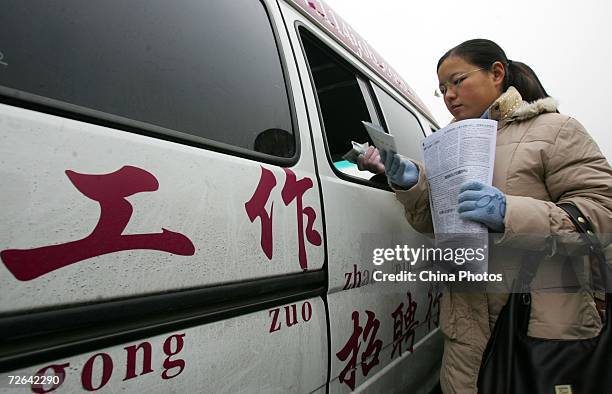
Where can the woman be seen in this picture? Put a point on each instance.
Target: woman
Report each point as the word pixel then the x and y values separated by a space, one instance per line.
pixel 542 158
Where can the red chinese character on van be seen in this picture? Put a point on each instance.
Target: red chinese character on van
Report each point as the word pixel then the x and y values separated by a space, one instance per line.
pixel 110 191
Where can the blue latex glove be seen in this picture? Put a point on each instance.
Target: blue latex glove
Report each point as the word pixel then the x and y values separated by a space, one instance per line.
pixel 483 204
pixel 400 171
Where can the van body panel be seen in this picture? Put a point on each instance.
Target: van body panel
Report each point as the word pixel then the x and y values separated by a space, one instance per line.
pixel 380 312
pixel 213 358
pixel 417 377
pixel 368 336
pixel 209 230
pixel 139 257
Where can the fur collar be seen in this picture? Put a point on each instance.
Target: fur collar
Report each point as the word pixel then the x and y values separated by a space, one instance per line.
pixel 510 107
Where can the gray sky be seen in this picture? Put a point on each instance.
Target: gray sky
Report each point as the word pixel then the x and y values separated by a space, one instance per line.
pixel 567 43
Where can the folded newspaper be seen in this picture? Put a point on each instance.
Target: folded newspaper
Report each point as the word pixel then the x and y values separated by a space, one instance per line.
pixel 462 151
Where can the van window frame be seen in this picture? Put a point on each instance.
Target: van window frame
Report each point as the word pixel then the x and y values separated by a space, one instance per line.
pixel 34 102
pixel 371 99
pixel 411 111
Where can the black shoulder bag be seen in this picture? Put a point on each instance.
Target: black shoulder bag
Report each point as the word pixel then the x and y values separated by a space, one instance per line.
pixel 514 363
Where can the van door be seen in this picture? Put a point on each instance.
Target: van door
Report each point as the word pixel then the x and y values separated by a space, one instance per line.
pixel 384 336
pixel 161 224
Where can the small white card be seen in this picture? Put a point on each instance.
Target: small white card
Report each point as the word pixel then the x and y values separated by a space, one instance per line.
pixel 381 139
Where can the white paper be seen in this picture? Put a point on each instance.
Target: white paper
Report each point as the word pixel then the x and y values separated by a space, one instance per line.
pixel 356 150
pixel 462 151
pixel 380 139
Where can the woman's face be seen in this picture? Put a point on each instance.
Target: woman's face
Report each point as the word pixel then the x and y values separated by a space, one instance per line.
pixel 468 91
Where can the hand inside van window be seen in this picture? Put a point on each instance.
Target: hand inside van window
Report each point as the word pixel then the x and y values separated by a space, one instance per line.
pixel 370 161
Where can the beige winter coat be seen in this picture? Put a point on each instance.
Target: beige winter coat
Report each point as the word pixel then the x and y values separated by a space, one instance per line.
pixel 542 158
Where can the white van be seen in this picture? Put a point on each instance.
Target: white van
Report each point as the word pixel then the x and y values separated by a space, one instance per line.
pixel 176 214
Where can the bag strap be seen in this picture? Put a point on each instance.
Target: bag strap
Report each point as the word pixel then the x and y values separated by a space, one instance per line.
pixel 532 260
pixel 529 268
pixel 584 227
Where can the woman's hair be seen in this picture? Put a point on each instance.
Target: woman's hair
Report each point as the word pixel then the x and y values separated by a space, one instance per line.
pixel 483 53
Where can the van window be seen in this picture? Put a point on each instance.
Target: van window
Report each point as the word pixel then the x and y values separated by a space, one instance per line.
pixel 210 69
pixel 403 124
pixel 344 102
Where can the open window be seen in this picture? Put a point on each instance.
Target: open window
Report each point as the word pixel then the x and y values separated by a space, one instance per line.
pixel 403 124
pixel 345 100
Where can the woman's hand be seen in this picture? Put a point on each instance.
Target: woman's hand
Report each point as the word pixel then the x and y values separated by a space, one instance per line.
pixel 370 161
pixel 400 171
pixel 483 204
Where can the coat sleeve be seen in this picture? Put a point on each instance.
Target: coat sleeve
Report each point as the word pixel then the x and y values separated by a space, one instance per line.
pixel 416 203
pixel 575 171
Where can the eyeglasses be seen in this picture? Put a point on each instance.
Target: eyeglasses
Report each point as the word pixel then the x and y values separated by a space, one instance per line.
pixel 455 82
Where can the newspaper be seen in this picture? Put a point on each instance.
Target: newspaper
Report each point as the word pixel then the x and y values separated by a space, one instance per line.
pixel 462 151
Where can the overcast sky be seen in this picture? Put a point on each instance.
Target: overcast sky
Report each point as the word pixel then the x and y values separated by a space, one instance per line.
pixel 567 43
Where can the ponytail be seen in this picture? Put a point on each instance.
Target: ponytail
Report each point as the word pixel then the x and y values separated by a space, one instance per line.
pixel 483 53
pixel 525 80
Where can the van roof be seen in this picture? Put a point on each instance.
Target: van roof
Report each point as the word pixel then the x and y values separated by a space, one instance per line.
pixel 324 16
